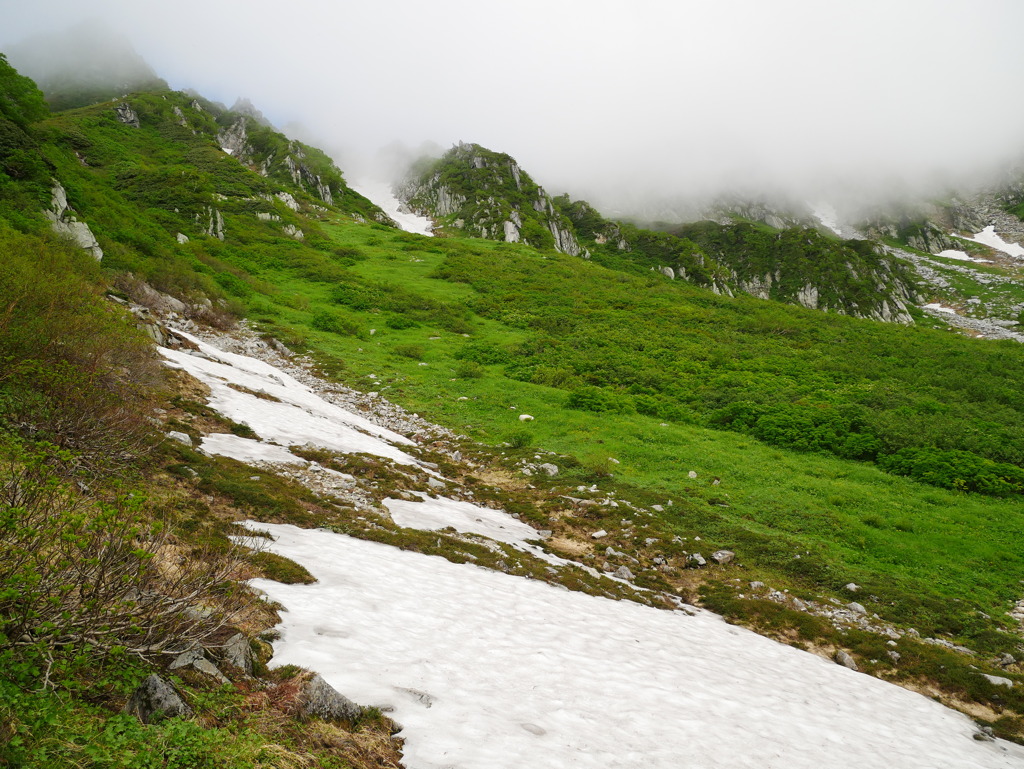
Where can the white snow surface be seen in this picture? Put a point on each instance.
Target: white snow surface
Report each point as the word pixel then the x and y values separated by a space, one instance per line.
pixel 381 194
pixel 989 237
pixel 487 670
pixel 939 308
pixel 826 214
pixel 297 416
pixel 435 513
pixel 961 256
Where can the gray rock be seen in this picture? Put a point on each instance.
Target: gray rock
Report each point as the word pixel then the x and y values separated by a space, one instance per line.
pixel 1005 660
pixel 318 698
pixel 756 585
pixel 435 483
pixel 174 435
pixel 598 534
pixel 624 573
pixel 722 557
pixel 550 469
pixel 853 587
pixel 182 238
pixel 692 475
pixel 155 698
pixel 893 655
pixel 854 606
pixel 126 114
pixel 196 660
pixel 237 652
pixel 696 561
pixel 998 681
pixel 64 223
pixel 844 659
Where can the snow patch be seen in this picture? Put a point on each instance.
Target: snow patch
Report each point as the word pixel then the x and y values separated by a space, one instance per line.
pixel 380 193
pixel 826 214
pixel 488 670
pixel 962 256
pixel 939 308
pixel 287 414
pixel 989 237
pixel 437 513
pixel 247 450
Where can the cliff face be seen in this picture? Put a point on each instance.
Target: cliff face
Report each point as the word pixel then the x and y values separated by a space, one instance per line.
pixel 486 194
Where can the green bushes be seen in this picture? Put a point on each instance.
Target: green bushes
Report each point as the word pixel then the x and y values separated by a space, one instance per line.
pixel 335 322
pixel 959 470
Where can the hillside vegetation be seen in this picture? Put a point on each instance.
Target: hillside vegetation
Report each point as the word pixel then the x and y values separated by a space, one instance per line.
pixel 821 448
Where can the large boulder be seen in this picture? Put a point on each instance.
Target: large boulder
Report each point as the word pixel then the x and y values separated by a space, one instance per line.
pixel 154 699
pixel 318 698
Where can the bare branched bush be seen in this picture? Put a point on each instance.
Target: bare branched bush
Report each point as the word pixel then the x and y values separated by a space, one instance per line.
pixel 94 576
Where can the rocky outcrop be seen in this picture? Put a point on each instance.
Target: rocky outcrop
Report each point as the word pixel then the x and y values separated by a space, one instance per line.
pixel 214 222
pixel 64 223
pixel 487 194
pixel 127 115
pixel 234 140
pixel 154 699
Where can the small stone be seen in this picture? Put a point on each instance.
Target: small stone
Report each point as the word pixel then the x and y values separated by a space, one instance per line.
pixel 722 557
pixel 180 437
pixel 893 655
pixel 550 469
pixel 692 474
pixel 854 606
pixel 1005 660
pixel 998 680
pixel 844 659
pixel 156 698
pixel 434 483
pixel 696 561
pixel 623 573
pixel 853 587
pixel 237 652
pixel 598 534
pixel 756 585
pixel 525 418
pixel 658 508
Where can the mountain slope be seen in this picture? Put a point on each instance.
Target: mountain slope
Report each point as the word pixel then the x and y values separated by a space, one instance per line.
pixel 487 195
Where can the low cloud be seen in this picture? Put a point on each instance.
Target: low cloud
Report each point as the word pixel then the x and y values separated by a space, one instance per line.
pixel 629 105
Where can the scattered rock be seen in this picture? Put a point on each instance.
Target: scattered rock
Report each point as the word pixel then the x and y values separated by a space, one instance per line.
pixel 854 606
pixel 196 659
pixel 893 655
pixel 318 698
pixel 598 534
pixel 756 585
pixel 525 418
pixel 624 573
pixel 844 659
pixel 722 557
pixel 853 587
pixel 155 698
pixel 180 437
pixel 696 561
pixel 435 483
pixel 127 115
pixel 692 474
pixel 998 680
pixel 550 469
pixel 237 652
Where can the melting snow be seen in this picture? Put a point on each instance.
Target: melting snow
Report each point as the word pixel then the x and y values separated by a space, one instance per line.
pixel 989 237
pixel 381 194
pixel 437 513
pixel 488 670
pixel 826 214
pixel 939 308
pixel 962 256
pixel 289 414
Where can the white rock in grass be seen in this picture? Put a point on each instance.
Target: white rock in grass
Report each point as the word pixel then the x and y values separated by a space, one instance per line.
pixel 599 534
pixel 525 418
pixel 180 437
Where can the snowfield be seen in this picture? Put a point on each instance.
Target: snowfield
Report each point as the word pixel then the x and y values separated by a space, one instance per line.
pixel 288 414
pixel 380 193
pixel 989 237
pixel 486 670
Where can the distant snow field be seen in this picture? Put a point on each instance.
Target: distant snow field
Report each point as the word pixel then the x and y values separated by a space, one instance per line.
pixel 961 256
pixel 487 670
pixel 989 237
pixel 380 193
pixel 826 214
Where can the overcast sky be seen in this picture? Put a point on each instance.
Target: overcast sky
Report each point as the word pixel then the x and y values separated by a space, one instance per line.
pixel 608 99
